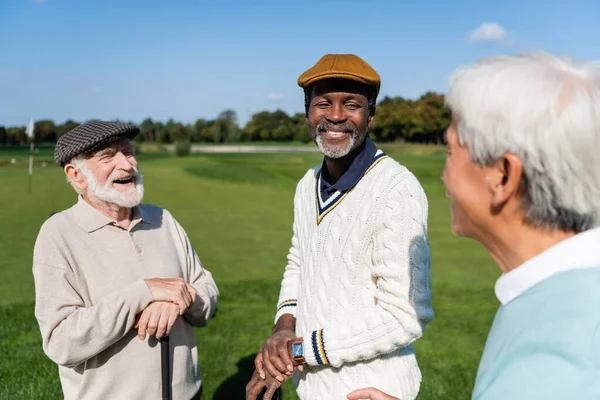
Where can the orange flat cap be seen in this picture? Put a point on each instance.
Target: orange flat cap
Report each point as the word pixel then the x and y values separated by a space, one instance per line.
pixel 346 66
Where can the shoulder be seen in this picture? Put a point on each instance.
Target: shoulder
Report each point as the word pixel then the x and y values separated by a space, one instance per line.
pixel 55 235
pixel 398 179
pixel 307 182
pixel 153 213
pixel 56 224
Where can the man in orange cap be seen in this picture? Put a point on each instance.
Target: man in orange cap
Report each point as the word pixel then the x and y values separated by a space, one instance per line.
pixel 356 290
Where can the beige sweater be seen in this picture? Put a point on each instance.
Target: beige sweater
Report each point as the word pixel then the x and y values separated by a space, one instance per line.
pixel 89 278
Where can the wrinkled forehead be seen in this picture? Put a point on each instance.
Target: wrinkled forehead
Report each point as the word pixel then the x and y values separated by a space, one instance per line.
pixel 336 85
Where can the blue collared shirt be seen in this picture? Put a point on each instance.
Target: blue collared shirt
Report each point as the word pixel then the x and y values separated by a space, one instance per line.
pixel 357 169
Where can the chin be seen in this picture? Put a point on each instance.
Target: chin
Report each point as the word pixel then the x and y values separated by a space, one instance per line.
pixel 456 228
pixel 334 151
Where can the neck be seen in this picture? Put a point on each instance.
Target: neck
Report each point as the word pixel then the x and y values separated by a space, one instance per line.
pixel 513 245
pixel 121 215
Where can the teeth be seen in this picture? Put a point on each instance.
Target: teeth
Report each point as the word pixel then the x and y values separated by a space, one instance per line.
pixel 332 133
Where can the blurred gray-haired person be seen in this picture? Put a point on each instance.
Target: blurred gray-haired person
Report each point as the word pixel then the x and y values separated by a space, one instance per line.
pixel 523 174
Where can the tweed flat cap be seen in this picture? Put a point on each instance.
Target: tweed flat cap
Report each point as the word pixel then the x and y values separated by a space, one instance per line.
pixel 90 137
pixel 346 66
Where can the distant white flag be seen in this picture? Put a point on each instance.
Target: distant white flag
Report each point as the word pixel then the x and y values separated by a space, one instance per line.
pixel 29 130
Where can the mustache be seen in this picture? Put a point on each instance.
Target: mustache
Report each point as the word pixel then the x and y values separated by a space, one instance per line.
pixel 325 126
pixel 117 176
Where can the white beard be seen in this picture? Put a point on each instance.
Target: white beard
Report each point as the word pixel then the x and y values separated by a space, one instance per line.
pixel 335 152
pixel 129 199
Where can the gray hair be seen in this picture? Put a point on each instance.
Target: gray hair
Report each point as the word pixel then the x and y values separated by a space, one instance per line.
pixel 78 162
pixel 545 110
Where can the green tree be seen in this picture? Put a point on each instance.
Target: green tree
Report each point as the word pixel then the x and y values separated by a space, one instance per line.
pixel 3 136
pixel 16 135
pixel 267 125
pixel 45 131
pixel 66 127
pixel 225 128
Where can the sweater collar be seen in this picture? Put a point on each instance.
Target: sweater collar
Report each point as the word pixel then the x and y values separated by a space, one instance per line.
pixel 91 219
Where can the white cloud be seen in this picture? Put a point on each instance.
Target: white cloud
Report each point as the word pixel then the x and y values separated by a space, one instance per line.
pixel 488 32
pixel 274 97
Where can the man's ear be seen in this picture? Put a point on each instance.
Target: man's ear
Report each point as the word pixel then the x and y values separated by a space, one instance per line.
pixel 503 179
pixel 75 176
pixel 370 120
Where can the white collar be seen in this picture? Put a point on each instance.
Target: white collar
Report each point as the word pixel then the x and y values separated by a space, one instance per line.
pixel 579 251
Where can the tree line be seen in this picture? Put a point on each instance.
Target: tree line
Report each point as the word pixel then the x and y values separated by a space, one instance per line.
pixel 422 120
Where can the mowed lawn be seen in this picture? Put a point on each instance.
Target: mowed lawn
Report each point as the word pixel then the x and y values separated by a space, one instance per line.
pixel 237 210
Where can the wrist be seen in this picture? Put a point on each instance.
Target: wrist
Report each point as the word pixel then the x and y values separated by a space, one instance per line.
pixel 286 322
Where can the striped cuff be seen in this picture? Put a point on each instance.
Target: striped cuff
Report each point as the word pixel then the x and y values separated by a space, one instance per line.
pixel 314 349
pixel 286 307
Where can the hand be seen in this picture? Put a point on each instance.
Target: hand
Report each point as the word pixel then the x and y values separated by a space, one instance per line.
pixel 175 290
pixel 256 385
pixel 157 319
pixel 370 394
pixel 275 355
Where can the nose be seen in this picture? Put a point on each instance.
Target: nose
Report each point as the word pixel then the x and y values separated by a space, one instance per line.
pixel 123 162
pixel 336 114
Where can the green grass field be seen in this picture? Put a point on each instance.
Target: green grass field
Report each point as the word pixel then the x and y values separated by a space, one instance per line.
pixel 237 210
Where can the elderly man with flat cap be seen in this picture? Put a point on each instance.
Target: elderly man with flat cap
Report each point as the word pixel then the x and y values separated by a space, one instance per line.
pixel 356 290
pixel 112 275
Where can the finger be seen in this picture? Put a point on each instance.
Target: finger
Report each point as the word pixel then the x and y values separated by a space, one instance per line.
pixel 270 391
pixel 163 320
pixel 285 361
pixel 188 293
pixel 259 365
pixel 143 324
pixel 278 363
pixel 369 393
pixel 181 304
pixel 173 315
pixel 268 365
pixel 137 320
pixel 276 353
pixel 152 323
pixel 192 291
pixel 300 367
pixel 254 388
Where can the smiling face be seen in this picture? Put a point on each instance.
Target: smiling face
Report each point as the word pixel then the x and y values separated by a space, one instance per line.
pixel 111 176
pixel 338 116
pixel 465 183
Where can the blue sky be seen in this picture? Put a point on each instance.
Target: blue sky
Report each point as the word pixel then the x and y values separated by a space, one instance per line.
pixel 180 59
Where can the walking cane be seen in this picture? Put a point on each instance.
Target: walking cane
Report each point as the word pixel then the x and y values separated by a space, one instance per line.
pixel 164 368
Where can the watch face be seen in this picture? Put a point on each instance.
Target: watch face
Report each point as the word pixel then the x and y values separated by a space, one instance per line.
pixel 297 350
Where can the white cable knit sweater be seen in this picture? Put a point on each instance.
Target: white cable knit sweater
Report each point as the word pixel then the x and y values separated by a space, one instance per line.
pixel 358 283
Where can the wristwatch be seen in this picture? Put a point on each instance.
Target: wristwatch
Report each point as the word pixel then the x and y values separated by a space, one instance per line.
pixel 298 351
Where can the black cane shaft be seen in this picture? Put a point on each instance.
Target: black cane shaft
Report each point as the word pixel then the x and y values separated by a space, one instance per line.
pixel 165 364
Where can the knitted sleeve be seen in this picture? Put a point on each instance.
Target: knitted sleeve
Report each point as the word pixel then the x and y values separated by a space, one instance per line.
pixel 401 305
pixel 288 295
